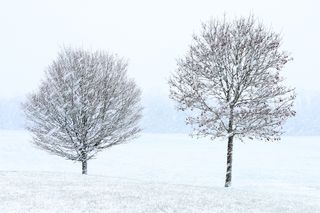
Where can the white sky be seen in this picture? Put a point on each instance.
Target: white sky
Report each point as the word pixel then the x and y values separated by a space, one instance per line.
pixel 151 34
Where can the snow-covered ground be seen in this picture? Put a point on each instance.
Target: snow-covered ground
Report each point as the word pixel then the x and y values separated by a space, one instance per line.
pixel 162 173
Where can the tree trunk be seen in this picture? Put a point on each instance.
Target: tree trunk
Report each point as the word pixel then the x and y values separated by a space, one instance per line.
pixel 229 162
pixel 84 167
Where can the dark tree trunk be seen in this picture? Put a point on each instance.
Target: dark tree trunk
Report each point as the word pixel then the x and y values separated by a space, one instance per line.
pixel 229 162
pixel 84 161
pixel 84 167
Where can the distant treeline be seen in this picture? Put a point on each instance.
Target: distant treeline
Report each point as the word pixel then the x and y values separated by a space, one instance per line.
pixel 160 115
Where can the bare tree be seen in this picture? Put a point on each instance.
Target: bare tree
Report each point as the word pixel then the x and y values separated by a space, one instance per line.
pixel 85 104
pixel 230 81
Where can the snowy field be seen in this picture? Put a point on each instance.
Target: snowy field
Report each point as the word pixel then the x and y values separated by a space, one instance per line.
pixel 162 173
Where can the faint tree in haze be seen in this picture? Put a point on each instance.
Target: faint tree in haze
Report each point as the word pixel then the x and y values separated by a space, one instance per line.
pixel 230 83
pixel 85 104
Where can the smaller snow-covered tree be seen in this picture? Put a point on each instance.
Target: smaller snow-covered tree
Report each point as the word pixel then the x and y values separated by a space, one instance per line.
pixel 85 104
pixel 230 79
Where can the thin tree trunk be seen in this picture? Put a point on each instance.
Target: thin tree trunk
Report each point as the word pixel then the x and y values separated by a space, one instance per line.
pixel 84 161
pixel 84 167
pixel 229 162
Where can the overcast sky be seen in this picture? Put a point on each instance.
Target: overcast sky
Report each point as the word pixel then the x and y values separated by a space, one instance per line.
pixel 151 34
